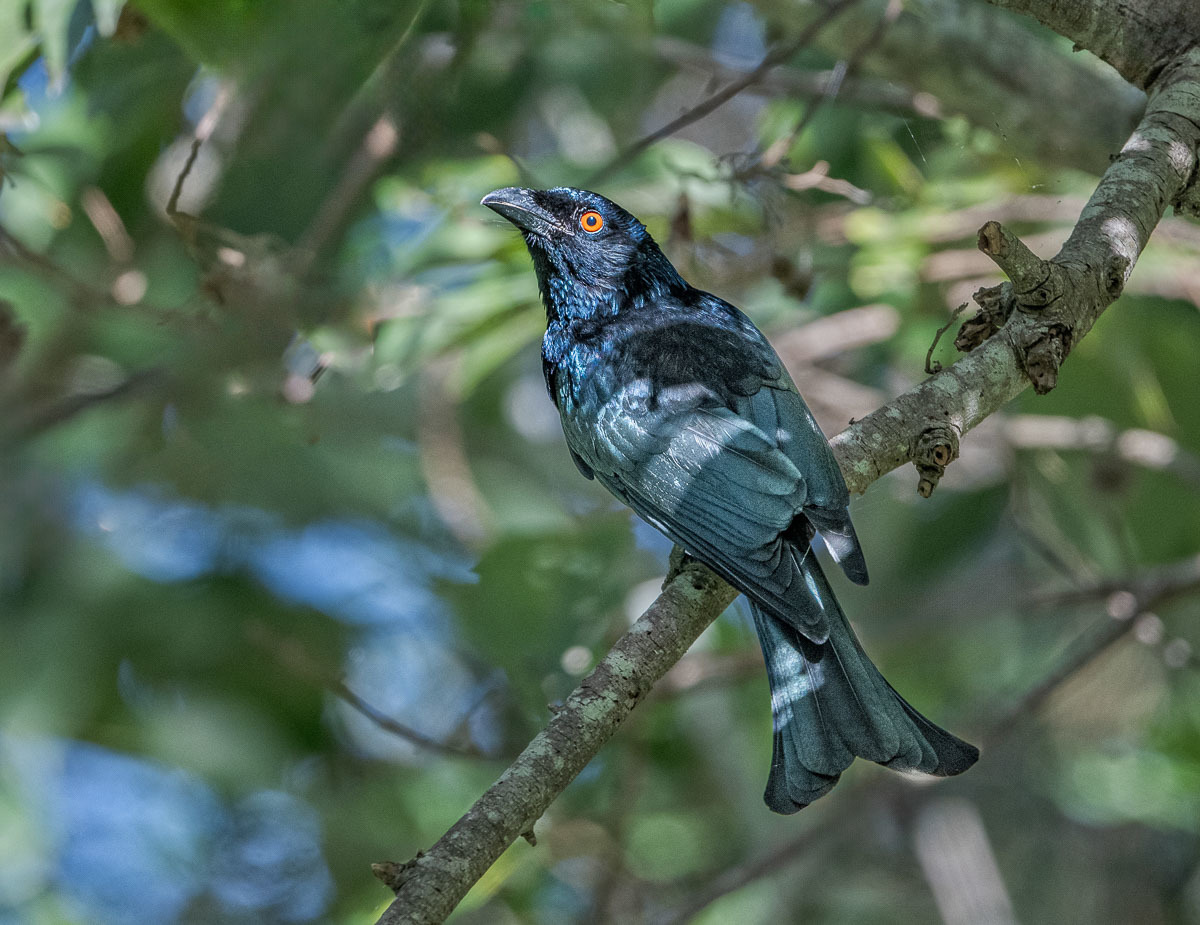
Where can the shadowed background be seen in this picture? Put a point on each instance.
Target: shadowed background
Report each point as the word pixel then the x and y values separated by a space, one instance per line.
pixel 292 555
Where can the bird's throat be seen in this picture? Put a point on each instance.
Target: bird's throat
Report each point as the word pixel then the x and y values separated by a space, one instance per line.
pixel 569 294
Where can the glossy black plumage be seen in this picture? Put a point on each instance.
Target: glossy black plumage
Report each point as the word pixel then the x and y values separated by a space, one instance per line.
pixel 675 402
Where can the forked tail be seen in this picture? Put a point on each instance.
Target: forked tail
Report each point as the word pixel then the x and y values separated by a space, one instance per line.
pixel 830 704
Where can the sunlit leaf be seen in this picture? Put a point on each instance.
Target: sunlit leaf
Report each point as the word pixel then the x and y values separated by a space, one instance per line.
pixel 52 19
pixel 108 12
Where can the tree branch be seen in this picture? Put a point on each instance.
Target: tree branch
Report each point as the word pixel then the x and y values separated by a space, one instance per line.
pixel 716 100
pixel 847 67
pixel 291 654
pixel 1053 303
pixel 41 417
pixel 1137 596
pixel 867 92
pixel 431 885
pixel 1050 314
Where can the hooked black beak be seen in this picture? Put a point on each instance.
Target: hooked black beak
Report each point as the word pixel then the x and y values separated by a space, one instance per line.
pixel 517 205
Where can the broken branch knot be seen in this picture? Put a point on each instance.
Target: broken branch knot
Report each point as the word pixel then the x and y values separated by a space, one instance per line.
pixel 936 448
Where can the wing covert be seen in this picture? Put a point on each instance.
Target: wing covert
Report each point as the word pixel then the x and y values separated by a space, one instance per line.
pixel 711 479
pixel 697 426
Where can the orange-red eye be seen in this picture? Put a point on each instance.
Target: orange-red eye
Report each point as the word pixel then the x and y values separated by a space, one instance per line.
pixel 591 221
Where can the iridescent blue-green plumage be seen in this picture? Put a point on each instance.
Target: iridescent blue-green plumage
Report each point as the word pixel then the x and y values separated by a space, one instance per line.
pixel 673 400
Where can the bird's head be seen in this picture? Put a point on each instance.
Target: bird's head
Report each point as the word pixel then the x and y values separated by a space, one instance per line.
pixel 591 256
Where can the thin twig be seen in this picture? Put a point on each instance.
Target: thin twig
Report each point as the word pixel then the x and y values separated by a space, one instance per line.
pixel 364 166
pixel 773 156
pixel 203 130
pixel 1159 584
pixel 291 654
pixel 1060 552
pixel 868 92
pixel 845 68
pixel 177 191
pixel 58 412
pixel 83 296
pixel 366 103
pixel 338 688
pixel 931 366
pixel 1147 593
pixel 731 879
pixel 725 94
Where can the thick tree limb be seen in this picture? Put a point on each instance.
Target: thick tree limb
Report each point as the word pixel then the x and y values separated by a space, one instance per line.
pixel 431 885
pixel 1054 304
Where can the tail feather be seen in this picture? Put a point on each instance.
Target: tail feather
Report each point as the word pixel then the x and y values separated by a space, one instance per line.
pixel 953 755
pixel 831 704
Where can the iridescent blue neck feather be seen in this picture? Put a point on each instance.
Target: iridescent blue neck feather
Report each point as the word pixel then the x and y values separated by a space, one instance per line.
pixel 572 288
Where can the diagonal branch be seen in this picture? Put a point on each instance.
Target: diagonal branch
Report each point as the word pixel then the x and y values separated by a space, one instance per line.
pixel 711 103
pixel 922 425
pixel 1051 304
pixel 430 886
pixel 868 92
pixel 847 67
pixel 291 654
pixel 39 418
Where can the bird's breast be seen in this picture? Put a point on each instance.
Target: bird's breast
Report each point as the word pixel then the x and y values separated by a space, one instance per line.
pixel 577 358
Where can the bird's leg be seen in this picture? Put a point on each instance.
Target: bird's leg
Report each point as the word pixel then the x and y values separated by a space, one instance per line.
pixel 680 559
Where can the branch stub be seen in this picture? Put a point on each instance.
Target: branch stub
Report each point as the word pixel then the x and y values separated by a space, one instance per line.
pixel 935 449
pixel 394 875
pixel 995 306
pixel 1044 356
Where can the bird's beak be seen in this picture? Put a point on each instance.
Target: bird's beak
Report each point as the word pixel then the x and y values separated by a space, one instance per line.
pixel 517 205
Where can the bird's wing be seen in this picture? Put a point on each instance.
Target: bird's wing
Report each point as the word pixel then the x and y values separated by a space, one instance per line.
pixel 719 466
pixel 690 417
pixel 827 505
pixel 714 482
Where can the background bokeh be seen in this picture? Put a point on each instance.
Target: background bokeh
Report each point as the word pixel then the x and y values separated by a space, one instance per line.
pixel 292 557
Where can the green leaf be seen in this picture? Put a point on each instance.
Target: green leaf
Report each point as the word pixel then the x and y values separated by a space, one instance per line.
pixel 108 13
pixel 16 42
pixel 52 19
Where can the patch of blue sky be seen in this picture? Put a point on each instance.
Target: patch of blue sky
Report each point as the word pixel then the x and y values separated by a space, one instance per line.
pixel 164 539
pixel 430 689
pixel 740 35
pixel 124 841
pixel 356 571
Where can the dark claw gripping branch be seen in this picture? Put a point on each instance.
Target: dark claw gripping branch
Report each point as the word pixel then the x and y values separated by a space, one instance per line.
pixel 675 402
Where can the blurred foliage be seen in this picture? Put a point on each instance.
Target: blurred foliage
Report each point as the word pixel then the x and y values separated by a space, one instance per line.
pixel 293 440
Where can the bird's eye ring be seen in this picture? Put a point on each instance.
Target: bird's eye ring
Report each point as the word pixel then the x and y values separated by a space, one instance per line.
pixel 591 221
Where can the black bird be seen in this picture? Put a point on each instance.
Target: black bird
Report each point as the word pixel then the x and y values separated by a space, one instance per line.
pixel 674 401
